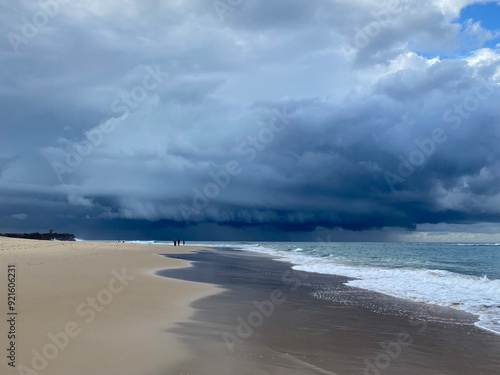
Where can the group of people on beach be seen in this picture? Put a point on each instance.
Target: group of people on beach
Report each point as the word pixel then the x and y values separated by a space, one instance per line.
pixel 178 242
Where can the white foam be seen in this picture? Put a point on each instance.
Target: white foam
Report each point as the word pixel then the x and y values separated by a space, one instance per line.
pixel 476 295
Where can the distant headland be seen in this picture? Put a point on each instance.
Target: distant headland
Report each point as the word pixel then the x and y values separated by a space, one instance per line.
pixel 51 236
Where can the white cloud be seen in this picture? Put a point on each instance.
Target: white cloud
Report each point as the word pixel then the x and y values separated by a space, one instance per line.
pixel 80 201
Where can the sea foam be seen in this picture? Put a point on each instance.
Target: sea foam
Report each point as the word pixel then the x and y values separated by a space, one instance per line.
pixel 476 295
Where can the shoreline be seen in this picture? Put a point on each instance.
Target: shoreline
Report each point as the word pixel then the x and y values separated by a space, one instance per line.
pixel 95 307
pixel 484 318
pixel 341 330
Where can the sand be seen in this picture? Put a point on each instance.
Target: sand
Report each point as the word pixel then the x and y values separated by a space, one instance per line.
pixel 100 309
pixel 93 308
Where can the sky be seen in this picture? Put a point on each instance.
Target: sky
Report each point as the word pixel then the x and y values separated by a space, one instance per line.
pixel 281 120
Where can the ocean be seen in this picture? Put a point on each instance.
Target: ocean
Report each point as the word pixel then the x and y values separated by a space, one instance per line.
pixel 461 276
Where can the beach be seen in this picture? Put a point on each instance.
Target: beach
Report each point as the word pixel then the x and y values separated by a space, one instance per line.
pixel 92 308
pixel 123 308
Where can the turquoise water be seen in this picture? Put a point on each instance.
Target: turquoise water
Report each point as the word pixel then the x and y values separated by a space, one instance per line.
pixel 467 259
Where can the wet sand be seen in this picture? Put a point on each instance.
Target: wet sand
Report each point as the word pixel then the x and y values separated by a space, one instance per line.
pixel 273 320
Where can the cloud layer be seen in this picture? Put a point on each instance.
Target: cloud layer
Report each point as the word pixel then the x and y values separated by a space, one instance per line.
pixel 250 118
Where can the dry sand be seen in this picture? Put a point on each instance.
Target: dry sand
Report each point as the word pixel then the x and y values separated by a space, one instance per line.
pixel 93 308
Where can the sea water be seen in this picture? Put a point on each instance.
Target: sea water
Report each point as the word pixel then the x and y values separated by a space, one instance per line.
pixel 460 276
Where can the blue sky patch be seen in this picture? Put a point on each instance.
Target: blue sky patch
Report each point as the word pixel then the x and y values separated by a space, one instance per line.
pixel 489 16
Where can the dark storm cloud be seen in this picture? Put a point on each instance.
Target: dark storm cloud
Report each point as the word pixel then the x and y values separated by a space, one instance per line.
pixel 278 119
